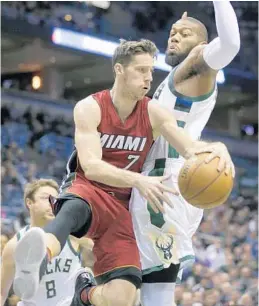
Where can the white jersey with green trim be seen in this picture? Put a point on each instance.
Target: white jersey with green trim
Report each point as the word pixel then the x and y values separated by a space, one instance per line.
pixel 191 114
pixel 58 282
pixel 170 235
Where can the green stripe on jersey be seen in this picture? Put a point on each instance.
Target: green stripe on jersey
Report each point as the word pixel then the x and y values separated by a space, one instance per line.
pixel 172 153
pixel 157 219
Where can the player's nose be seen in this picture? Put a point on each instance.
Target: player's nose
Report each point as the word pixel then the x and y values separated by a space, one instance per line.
pixel 176 38
pixel 149 77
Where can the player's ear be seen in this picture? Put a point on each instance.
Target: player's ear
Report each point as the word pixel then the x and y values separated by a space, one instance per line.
pixel 118 68
pixel 28 203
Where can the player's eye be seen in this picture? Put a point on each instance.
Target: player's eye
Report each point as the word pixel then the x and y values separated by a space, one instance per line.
pixel 185 34
pixel 142 70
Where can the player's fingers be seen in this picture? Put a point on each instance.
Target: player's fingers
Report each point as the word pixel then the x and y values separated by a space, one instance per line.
pixel 210 157
pixel 172 190
pixel 227 168
pixel 167 200
pixel 152 205
pixel 155 201
pixel 222 163
pixel 163 197
pixel 203 150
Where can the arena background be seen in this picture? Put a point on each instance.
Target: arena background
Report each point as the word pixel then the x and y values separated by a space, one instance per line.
pixel 56 53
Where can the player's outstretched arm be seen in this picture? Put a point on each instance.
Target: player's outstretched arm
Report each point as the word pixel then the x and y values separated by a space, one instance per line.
pixel 7 269
pixel 221 51
pixel 207 59
pixel 87 117
pixel 164 124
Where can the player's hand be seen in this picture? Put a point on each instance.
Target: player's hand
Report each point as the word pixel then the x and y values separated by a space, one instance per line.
pixel 218 149
pixel 153 190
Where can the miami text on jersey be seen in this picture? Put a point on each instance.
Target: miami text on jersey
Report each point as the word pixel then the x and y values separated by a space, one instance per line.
pixel 121 142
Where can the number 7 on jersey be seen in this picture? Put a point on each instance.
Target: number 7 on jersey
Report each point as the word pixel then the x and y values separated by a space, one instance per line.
pixel 134 159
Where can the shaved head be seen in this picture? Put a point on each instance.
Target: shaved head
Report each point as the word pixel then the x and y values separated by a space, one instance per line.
pixel 202 31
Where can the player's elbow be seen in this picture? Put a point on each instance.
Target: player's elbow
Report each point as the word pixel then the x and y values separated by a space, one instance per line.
pixel 91 168
pixel 234 46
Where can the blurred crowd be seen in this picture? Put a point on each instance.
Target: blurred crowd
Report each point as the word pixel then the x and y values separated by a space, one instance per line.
pixel 226 245
pixel 77 15
pixel 226 267
pixel 132 19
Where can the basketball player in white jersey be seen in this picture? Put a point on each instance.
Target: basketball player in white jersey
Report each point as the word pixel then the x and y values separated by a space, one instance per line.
pixel 58 282
pixel 189 92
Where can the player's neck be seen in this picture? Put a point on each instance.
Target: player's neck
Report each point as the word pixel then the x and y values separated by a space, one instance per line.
pixel 123 102
pixel 37 222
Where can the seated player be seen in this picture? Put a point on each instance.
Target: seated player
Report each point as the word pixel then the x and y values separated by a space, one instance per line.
pixel 58 281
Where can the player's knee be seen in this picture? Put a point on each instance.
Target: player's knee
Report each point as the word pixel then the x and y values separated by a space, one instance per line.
pixel 74 207
pixel 127 293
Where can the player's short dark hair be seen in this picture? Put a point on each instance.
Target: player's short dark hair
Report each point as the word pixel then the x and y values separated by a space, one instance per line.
pixel 126 49
pixel 202 30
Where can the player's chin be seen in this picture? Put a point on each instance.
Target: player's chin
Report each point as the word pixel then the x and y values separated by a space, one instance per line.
pixel 49 216
pixel 142 94
pixel 171 52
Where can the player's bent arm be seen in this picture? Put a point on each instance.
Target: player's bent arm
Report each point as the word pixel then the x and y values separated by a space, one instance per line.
pixel 87 117
pixel 163 123
pixel 7 268
pixel 207 59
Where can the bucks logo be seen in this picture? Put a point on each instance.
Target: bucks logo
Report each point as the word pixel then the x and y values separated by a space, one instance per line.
pixel 164 243
pixel 165 246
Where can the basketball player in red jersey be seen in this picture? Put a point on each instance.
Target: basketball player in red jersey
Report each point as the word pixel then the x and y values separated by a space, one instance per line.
pixel 114 131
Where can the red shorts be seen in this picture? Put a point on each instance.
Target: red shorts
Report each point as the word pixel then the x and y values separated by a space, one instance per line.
pixel 111 229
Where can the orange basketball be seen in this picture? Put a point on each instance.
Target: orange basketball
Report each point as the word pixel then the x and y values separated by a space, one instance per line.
pixel 202 185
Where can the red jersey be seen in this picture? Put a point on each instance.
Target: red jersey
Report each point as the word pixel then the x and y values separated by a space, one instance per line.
pixel 124 144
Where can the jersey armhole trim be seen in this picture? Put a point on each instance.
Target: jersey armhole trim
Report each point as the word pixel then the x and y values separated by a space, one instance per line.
pixel 18 235
pixel 179 95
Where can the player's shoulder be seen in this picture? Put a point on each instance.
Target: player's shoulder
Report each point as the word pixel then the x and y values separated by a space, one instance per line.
pixel 87 108
pixel 87 102
pixel 93 102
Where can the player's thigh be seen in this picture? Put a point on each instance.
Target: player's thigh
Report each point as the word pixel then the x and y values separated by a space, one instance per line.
pixel 120 292
pixel 116 252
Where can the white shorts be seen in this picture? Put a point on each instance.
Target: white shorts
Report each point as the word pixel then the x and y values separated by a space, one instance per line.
pixel 164 238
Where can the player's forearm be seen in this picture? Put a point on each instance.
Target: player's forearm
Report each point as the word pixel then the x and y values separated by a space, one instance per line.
pixel 180 140
pixel 177 138
pixel 220 52
pixel 226 23
pixel 102 172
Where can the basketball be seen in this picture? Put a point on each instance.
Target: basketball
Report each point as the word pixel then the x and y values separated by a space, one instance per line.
pixel 202 185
